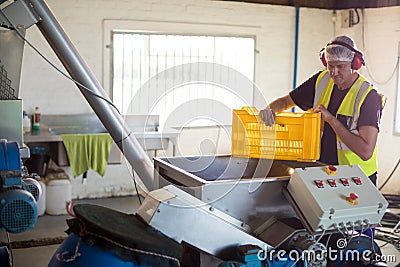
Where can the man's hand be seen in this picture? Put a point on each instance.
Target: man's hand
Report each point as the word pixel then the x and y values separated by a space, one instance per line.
pixel 325 114
pixel 363 143
pixel 268 116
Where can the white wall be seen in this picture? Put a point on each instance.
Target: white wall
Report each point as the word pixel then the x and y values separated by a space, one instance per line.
pixel 274 29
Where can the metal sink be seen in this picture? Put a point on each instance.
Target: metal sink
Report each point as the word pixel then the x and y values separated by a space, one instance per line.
pixel 76 124
pixel 144 128
pixel 59 155
pixel 77 130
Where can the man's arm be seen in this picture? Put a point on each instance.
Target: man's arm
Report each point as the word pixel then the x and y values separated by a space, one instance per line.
pixel 282 103
pixel 363 144
pixel 302 96
pixel 268 114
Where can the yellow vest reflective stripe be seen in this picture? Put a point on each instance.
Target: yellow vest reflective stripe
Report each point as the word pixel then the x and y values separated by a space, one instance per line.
pixel 349 107
pixel 324 81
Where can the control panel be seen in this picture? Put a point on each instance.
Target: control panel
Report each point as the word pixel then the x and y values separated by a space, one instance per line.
pixel 336 198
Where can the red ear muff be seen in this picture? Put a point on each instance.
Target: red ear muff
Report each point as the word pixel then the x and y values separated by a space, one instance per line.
pixel 358 60
pixel 322 57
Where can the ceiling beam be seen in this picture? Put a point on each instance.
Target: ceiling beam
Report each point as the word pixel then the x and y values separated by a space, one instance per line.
pixel 327 4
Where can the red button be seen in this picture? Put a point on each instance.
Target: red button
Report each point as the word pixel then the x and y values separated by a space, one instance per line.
pixel 353 196
pixel 357 180
pixel 319 183
pixel 332 168
pixel 332 182
pixel 344 181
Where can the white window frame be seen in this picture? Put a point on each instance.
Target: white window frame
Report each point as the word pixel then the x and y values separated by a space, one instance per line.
pixel 167 27
pixel 396 126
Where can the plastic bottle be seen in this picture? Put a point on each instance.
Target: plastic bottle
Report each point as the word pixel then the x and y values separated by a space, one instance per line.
pixel 26 123
pixel 36 119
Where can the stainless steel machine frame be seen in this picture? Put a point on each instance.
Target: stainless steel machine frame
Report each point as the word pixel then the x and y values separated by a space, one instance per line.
pixel 183 217
pixel 247 189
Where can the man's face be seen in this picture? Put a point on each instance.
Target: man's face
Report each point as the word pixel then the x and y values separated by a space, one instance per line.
pixel 341 73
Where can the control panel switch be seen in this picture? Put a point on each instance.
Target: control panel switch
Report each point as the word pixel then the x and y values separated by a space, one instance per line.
pixel 352 199
pixel 331 170
pixel 353 196
pixel 319 183
pixel 357 180
pixel 332 182
pixel 344 181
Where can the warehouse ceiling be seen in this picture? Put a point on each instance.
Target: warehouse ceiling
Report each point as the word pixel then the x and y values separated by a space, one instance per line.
pixel 328 4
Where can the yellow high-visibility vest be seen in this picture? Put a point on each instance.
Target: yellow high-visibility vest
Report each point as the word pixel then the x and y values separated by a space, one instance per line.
pixel 349 107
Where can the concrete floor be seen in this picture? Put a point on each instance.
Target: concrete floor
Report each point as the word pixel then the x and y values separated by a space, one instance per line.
pixel 390 252
pixel 50 227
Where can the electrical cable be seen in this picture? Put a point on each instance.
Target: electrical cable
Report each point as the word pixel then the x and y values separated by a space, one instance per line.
pixel 390 220
pixel 53 65
pixel 136 189
pixel 390 233
pixel 358 18
pixel 312 246
pixel 10 249
pixel 383 245
pixel 394 202
pixel 340 231
pixel 327 241
pixel 345 227
pixel 372 231
pixel 319 239
pixel 391 241
pixel 352 234
pixel 362 228
pixel 389 237
pixel 59 70
pixel 393 197
pixel 365 53
pixel 390 175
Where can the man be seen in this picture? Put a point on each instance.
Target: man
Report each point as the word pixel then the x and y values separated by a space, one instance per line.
pixel 350 107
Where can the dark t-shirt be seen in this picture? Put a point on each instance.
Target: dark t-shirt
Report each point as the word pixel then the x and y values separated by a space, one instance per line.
pixel 370 114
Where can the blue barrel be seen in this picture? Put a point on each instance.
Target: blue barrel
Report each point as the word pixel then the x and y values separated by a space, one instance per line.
pixel 5 257
pixel 87 255
pixel 100 236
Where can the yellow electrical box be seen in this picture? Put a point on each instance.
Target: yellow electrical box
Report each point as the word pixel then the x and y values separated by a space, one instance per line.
pixel 294 136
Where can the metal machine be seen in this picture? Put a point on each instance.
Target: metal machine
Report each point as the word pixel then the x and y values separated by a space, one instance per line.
pixel 222 211
pixel 18 210
pixel 293 207
pixel 18 195
pixel 242 212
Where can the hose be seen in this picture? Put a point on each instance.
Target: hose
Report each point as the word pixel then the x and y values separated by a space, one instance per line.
pixel 391 174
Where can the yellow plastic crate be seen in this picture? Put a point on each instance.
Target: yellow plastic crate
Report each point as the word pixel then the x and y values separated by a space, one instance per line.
pixel 294 136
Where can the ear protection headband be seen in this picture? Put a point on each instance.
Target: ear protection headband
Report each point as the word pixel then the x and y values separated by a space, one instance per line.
pixel 358 60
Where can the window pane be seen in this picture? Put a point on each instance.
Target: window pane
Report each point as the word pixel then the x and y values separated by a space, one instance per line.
pixel 149 76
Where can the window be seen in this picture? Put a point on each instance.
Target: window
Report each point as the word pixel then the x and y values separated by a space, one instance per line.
pixel 162 73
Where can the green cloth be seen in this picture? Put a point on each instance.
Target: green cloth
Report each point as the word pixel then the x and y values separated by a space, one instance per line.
pixel 86 151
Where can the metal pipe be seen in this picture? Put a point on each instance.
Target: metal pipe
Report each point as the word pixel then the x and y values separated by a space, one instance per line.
pixel 296 48
pixel 80 72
